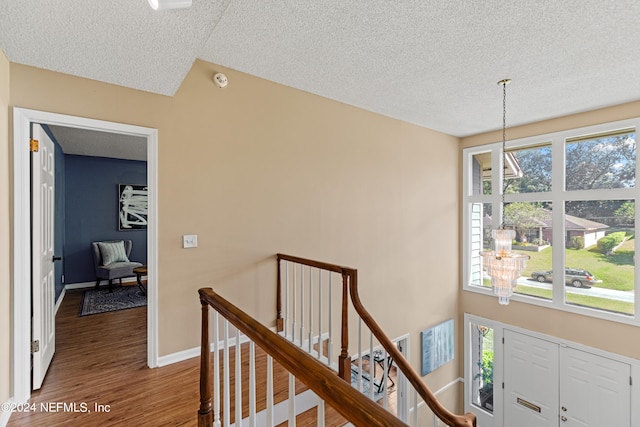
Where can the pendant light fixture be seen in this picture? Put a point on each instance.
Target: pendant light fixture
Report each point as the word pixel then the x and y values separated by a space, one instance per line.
pixel 169 4
pixel 501 263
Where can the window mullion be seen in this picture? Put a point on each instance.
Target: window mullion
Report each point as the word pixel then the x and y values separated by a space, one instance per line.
pixel 557 202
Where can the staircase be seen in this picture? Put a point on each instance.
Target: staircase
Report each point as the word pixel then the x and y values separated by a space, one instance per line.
pixel 318 315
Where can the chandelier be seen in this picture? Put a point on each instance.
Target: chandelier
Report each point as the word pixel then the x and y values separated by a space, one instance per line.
pixel 501 263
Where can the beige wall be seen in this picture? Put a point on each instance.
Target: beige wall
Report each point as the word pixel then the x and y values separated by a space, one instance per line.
pixel 259 168
pixel 5 258
pixel 611 336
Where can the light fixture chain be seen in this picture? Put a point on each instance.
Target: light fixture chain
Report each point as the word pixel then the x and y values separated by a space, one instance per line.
pixel 504 115
pixel 504 84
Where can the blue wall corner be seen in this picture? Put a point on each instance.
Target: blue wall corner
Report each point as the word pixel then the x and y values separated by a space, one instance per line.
pixel 91 211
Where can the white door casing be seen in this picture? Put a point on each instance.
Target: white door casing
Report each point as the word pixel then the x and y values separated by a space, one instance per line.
pixel 21 285
pixel 43 331
pixel 594 390
pixel 531 381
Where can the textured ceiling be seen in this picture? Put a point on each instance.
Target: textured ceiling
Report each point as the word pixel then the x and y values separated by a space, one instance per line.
pixel 433 63
pixel 84 142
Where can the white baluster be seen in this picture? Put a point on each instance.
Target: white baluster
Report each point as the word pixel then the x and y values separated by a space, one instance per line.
pixel 319 314
pixel 292 400
pixel 385 375
pixel 287 318
pixel 226 411
pixel 372 367
pixel 269 397
pixel 321 413
pixel 252 384
pixel 415 408
pixel 216 371
pixel 310 311
pixel 330 344
pixel 238 378
pixel 294 325
pixel 359 354
pixel 301 304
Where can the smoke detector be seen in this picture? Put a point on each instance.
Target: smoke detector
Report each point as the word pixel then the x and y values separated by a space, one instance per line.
pixel 220 80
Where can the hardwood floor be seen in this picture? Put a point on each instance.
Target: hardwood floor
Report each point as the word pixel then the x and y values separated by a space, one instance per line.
pixel 99 377
pixel 101 360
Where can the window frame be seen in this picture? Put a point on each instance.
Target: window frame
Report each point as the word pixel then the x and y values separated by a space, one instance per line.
pixel 557 196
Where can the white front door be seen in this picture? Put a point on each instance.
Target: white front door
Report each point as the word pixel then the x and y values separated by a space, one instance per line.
pixel 594 391
pixel 43 331
pixel 531 381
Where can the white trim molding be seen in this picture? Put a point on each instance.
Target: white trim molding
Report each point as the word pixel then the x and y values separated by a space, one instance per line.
pixel 21 302
pixel 4 414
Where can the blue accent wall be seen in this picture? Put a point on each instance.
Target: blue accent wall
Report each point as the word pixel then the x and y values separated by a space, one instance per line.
pixel 91 211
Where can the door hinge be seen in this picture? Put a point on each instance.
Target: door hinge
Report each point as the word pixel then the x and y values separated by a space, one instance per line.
pixel 502 340
pixel 35 346
pixel 34 145
pixel 630 380
pixel 503 386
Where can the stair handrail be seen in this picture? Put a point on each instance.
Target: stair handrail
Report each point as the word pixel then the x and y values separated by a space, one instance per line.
pixel 448 417
pixel 349 402
pixel 350 281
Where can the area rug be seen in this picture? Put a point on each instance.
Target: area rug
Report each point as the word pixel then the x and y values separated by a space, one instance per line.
pixel 96 301
pixel 366 384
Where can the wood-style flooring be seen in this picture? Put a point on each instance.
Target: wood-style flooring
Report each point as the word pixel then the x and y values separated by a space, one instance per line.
pixel 99 377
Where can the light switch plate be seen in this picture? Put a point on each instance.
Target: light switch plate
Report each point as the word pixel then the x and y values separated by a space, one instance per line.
pixel 190 241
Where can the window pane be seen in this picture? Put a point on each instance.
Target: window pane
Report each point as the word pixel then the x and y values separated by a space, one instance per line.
pixel 534 234
pixel 481 174
pixel 599 255
pixel 528 170
pixel 482 366
pixel 601 162
pixel 480 228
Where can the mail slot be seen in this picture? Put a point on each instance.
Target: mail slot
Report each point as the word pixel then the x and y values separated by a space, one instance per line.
pixel 529 405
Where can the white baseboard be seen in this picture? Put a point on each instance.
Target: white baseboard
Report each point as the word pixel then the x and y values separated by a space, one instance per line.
pixel 60 298
pixel 81 285
pixel 180 356
pixel 4 415
pixel 195 351
pixel 436 393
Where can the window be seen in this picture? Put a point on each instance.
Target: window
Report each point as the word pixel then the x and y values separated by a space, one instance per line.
pixel 572 191
pixel 482 359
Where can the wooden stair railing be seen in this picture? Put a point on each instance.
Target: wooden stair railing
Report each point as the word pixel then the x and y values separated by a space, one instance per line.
pixel 350 287
pixel 351 404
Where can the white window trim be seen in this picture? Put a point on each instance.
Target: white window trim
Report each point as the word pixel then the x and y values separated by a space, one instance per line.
pixel 557 198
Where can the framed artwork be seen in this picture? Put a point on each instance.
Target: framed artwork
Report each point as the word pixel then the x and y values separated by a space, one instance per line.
pixel 133 205
pixel 437 346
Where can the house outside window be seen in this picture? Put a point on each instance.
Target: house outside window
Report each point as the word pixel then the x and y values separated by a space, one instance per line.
pixel 570 197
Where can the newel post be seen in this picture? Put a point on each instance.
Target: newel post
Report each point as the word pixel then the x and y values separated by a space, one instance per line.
pixel 344 360
pixel 205 413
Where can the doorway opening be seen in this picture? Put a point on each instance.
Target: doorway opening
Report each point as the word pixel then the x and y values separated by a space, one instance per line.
pixel 22 291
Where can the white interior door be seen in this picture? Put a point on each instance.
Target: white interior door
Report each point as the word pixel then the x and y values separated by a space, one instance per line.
pixel 594 391
pixel 43 331
pixel 531 381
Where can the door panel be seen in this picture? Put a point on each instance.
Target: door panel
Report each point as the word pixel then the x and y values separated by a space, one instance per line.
pixel 594 390
pixel 531 381
pixel 43 292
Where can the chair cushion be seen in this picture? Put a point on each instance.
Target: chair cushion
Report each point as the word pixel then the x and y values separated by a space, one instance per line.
pixel 117 270
pixel 113 252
